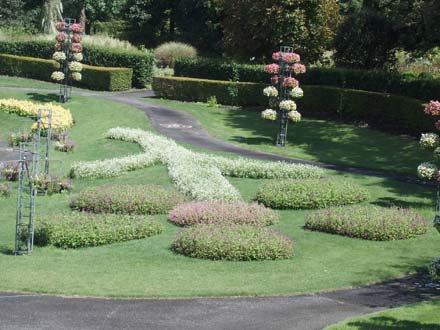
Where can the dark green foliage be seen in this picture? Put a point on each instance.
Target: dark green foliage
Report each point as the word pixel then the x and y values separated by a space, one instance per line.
pixel 99 78
pixel 388 112
pixel 78 230
pixel 366 40
pixel 125 199
pixel 140 61
pixel 434 269
pixel 310 194
pixel 226 92
pixel 233 242
pixel 368 222
pixel 369 80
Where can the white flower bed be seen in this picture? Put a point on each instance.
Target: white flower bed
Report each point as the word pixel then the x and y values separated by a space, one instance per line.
pixel 198 175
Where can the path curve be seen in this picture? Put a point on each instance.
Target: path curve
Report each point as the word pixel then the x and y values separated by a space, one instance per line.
pixel 308 312
pixel 182 127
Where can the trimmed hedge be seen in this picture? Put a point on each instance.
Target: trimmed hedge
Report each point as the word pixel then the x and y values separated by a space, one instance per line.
pixel 234 243
pixel 387 111
pixel 310 194
pixel 219 212
pixel 98 78
pixel 368 222
pixel 126 199
pixel 199 90
pixel 374 81
pixel 141 62
pixel 78 229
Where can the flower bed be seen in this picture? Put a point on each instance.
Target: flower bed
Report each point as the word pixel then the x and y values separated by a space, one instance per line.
pixel 61 117
pixel 218 212
pixel 126 199
pixel 368 222
pixel 234 243
pixel 309 194
pixel 78 230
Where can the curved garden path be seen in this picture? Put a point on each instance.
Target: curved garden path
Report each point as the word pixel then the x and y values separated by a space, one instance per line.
pixel 308 312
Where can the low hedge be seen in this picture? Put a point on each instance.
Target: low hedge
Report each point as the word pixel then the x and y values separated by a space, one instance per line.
pixel 310 194
pixel 386 111
pixel 199 90
pixel 434 269
pixel 234 243
pixel 368 222
pixel 368 80
pixel 126 199
pixel 141 62
pixel 98 78
pixel 218 212
pixel 78 230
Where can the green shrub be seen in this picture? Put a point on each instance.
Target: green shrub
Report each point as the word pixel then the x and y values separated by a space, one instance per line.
pixel 434 269
pixel 126 199
pixel 368 222
pixel 77 229
pixel 234 243
pixel 167 53
pixel 141 62
pixel 388 112
pixel 199 90
pixel 310 194
pixel 99 78
pixel 368 80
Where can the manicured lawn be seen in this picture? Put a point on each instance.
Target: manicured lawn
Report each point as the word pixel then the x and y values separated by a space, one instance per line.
pixel 413 317
pixel 311 139
pixel 148 268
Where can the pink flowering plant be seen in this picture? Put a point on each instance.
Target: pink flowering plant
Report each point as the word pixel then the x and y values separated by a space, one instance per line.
pixel 60 26
pixel 287 64
pixel 76 28
pixel 220 212
pixel 61 37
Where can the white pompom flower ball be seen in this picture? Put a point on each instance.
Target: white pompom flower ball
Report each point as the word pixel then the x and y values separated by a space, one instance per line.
pixel 297 93
pixel 288 105
pixel 59 56
pixel 75 66
pixel 270 92
pixel 427 171
pixel 78 57
pixel 429 141
pixel 294 116
pixel 76 76
pixel 57 76
pixel 269 114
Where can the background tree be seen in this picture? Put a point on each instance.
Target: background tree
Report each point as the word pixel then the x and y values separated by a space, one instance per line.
pixel 52 12
pixel 254 28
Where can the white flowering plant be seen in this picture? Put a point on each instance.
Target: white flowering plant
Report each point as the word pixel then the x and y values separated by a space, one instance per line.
pixel 76 76
pixel 427 171
pixel 57 76
pixel 288 105
pixel 294 116
pixel 199 176
pixel 75 66
pixel 270 91
pixel 297 93
pixel 78 57
pixel 59 56
pixel 430 141
pixel 269 114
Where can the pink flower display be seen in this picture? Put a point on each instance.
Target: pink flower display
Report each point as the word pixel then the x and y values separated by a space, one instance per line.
pixel 58 47
pixel 291 58
pixel 76 28
pixel 290 82
pixel 433 108
pixel 61 37
pixel 276 56
pixel 299 68
pixel 76 48
pixel 77 38
pixel 60 26
pixel 274 79
pixel 272 69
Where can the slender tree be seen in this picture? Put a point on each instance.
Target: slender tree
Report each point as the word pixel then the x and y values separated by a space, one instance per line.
pixel 52 12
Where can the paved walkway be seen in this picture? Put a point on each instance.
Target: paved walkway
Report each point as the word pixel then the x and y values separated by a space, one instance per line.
pixel 308 312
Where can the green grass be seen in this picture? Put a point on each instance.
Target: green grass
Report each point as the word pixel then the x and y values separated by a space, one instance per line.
pixel 311 139
pixel 24 82
pixel 413 317
pixel 148 268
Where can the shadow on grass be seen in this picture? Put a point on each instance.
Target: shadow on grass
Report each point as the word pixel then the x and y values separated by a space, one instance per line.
pixel 7 250
pixel 42 97
pixel 389 323
pixel 330 141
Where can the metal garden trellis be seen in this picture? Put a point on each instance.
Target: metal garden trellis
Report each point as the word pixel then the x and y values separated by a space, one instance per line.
pixel 66 85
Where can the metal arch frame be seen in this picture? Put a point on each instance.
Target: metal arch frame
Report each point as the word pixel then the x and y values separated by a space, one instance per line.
pixel 66 86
